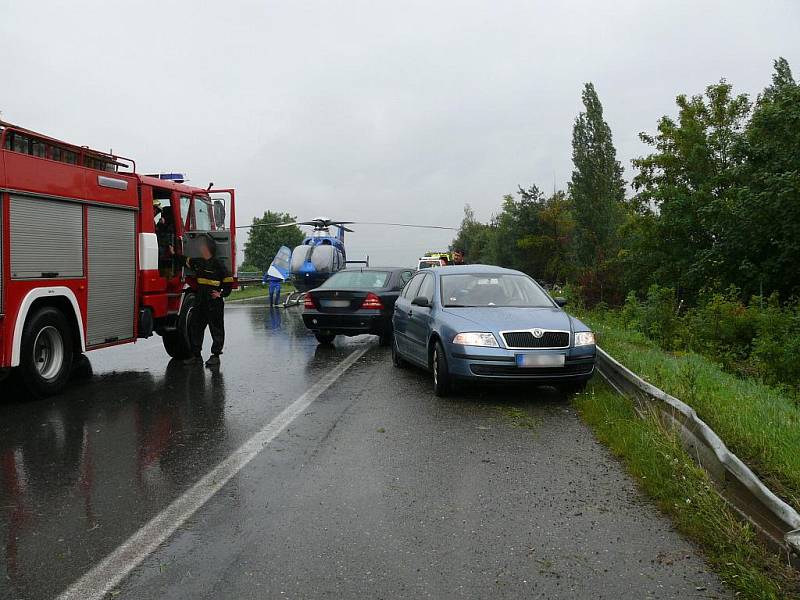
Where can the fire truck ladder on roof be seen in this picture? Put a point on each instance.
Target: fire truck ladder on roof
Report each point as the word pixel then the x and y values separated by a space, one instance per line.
pixel 82 152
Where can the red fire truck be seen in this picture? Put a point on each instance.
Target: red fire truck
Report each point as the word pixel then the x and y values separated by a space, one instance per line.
pixel 84 254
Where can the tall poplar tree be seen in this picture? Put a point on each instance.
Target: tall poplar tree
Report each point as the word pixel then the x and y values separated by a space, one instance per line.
pixel 597 188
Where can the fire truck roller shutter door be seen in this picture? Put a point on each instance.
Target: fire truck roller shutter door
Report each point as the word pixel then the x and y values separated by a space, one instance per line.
pixel 112 275
pixel 46 238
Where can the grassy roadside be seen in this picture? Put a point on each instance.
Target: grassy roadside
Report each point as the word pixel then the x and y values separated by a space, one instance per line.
pixel 758 423
pixel 257 291
pixel 684 491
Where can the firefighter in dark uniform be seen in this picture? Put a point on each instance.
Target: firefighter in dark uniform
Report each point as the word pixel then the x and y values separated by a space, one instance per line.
pixel 213 284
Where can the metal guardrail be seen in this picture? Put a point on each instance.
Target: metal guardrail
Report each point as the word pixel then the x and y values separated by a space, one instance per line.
pixel 776 520
pixel 246 278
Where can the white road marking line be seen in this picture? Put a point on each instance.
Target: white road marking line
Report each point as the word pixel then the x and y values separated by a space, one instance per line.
pixel 107 574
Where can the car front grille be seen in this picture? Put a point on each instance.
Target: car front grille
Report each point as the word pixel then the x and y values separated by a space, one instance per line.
pixel 526 339
pixel 513 371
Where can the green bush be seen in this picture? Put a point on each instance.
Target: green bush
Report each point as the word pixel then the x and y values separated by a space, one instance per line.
pixel 573 295
pixel 750 340
pixel 632 312
pixel 760 340
pixel 657 317
pixel 776 346
pixel 723 328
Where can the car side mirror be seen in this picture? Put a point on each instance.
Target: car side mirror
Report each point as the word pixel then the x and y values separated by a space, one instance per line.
pixel 560 301
pixel 421 301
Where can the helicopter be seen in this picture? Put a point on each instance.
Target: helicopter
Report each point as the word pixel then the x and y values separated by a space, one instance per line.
pixel 321 254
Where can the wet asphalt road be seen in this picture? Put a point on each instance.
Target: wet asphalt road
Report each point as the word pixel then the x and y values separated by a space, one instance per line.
pixel 378 489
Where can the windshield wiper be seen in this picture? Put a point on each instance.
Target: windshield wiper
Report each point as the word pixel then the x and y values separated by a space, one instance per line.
pixel 456 306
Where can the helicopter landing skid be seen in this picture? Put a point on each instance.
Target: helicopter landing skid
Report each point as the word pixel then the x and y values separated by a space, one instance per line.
pixel 294 299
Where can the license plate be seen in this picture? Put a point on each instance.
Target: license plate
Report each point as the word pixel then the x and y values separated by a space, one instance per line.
pixel 528 361
pixel 335 303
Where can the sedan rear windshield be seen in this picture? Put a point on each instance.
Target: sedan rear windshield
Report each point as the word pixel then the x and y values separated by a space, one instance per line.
pixel 493 290
pixel 359 280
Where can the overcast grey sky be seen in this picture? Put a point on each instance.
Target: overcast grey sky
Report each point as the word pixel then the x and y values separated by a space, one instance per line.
pixel 367 110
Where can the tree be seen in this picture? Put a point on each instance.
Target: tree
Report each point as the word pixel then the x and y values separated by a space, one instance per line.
pixel 549 248
pixel 690 185
pixel 474 238
pixel 769 203
pixel 531 233
pixel 265 239
pixel 518 219
pixel 597 188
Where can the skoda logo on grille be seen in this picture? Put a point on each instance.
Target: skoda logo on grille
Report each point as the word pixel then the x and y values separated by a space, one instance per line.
pixel 537 333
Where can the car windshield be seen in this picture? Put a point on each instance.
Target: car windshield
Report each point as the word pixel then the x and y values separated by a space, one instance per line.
pixel 357 280
pixel 492 290
pixel 427 264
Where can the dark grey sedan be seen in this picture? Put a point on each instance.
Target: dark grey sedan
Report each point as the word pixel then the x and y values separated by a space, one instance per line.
pixel 355 302
pixel 480 322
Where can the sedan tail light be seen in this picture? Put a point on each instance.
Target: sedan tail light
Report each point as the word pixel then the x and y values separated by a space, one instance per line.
pixel 309 303
pixel 372 302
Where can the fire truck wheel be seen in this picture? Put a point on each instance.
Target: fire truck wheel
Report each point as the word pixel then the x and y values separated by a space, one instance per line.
pixel 46 354
pixel 176 342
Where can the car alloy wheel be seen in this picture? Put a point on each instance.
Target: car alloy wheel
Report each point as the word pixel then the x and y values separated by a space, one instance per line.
pixel 441 374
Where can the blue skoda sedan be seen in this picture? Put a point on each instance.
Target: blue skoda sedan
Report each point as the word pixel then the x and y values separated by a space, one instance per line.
pixel 485 323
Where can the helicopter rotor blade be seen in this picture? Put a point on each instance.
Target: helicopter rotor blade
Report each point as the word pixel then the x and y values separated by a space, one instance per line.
pixel 327 223
pixel 252 225
pixel 406 225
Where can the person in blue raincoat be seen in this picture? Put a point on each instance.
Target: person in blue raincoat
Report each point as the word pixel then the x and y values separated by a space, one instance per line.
pixel 276 274
pixel 274 287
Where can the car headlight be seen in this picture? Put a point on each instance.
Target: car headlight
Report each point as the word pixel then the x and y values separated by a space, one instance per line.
pixel 476 339
pixel 584 338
